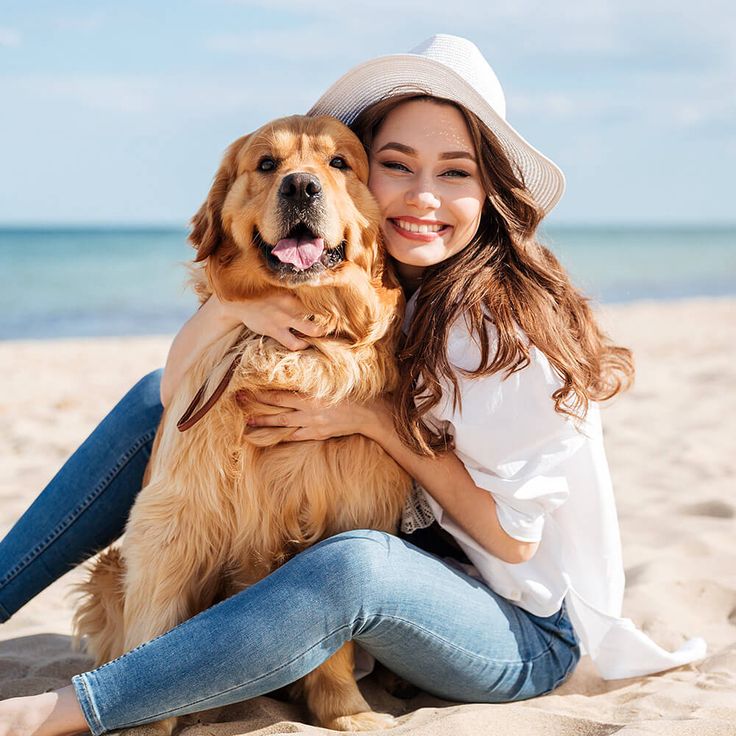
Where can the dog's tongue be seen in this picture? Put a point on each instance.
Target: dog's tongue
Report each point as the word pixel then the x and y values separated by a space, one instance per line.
pixel 301 252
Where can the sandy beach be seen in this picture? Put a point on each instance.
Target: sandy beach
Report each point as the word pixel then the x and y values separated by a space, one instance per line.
pixel 672 450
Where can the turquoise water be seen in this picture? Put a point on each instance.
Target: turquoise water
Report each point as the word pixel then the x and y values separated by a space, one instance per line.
pixel 72 282
pixel 620 264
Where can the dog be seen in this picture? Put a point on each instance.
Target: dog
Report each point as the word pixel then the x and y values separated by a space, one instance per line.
pixel 224 504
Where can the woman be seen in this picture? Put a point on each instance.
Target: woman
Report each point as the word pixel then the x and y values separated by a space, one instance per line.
pixel 502 359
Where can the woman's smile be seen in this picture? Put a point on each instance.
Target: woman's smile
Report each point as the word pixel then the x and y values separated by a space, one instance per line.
pixel 425 177
pixel 413 228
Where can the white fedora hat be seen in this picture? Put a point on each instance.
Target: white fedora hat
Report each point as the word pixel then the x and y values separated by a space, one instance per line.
pixel 453 68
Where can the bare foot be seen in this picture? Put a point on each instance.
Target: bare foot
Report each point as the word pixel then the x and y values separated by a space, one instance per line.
pixel 50 714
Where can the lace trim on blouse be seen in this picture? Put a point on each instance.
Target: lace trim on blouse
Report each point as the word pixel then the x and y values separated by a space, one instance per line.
pixel 417 513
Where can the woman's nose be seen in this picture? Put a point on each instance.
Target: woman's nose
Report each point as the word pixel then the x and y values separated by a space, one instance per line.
pixel 422 196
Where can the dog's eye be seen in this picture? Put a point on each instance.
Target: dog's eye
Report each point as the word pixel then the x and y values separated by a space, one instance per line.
pixel 266 164
pixel 338 162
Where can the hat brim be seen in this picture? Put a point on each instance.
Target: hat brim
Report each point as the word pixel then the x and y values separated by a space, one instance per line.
pixel 386 76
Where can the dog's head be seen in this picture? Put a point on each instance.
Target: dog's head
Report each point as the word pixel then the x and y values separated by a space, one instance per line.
pixel 289 206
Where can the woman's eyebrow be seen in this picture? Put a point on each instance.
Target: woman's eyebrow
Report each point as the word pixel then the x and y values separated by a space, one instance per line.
pixel 400 147
pixel 457 154
pixel 409 151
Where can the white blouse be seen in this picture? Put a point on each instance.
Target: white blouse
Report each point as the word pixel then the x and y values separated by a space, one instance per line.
pixel 551 484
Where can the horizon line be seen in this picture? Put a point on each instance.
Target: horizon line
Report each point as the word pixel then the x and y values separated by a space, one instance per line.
pixel 165 226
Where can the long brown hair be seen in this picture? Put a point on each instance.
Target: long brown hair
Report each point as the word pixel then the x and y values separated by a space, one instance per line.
pixel 505 277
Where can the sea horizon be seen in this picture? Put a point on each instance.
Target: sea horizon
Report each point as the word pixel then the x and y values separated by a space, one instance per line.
pixel 74 280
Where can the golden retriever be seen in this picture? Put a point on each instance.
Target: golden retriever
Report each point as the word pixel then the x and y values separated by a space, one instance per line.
pixel 224 504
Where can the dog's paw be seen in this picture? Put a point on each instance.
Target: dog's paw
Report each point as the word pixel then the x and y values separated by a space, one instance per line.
pixel 367 721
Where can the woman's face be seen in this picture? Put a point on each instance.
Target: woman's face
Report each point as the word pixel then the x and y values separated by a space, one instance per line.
pixel 424 174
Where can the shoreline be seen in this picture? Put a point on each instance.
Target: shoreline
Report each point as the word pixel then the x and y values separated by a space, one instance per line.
pixel 600 308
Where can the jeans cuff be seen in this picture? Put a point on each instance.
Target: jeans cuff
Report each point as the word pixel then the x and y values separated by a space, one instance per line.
pixel 4 615
pixel 84 697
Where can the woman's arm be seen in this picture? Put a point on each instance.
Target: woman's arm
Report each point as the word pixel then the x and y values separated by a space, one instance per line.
pixel 210 322
pixel 275 315
pixel 444 477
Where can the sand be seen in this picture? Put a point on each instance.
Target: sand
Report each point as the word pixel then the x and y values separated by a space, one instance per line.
pixel 670 443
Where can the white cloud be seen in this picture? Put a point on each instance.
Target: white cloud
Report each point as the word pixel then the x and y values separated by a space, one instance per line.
pixel 551 104
pixel 288 45
pixel 85 23
pixel 717 115
pixel 149 98
pixel 10 37
pixel 568 37
pixel 118 94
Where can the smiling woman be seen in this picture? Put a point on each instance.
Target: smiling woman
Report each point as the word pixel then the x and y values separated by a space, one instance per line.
pixel 495 415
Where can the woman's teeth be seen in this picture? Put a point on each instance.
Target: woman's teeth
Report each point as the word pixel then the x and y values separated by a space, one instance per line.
pixel 412 227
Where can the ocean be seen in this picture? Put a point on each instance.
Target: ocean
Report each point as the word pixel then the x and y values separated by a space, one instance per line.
pixel 64 282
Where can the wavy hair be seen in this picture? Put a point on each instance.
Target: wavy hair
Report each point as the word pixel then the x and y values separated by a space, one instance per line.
pixel 504 277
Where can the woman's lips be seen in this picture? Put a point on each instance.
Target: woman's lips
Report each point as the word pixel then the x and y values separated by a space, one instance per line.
pixel 421 237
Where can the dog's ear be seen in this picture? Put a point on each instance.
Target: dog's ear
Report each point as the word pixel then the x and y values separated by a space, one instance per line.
pixel 207 232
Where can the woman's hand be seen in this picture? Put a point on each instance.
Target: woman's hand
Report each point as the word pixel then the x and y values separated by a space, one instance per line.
pixel 276 316
pixel 316 420
pixel 280 316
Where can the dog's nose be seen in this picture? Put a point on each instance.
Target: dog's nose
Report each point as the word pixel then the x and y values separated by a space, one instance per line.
pixel 300 187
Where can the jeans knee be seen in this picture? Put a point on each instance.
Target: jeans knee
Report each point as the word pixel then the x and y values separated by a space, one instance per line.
pixel 148 388
pixel 360 559
pixel 145 396
pixel 139 412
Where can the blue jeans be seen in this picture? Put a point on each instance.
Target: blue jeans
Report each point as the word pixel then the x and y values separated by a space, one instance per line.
pixel 440 629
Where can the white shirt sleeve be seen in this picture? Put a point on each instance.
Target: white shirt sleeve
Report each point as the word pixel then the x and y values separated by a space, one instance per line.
pixel 512 440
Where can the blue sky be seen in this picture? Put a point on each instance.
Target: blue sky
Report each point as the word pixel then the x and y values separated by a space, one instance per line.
pixel 119 112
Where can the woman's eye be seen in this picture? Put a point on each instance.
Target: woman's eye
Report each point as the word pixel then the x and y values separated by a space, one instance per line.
pixel 338 162
pixel 394 165
pixel 266 164
pixel 456 173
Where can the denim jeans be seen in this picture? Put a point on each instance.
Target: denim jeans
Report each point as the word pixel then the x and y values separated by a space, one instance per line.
pixel 429 622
